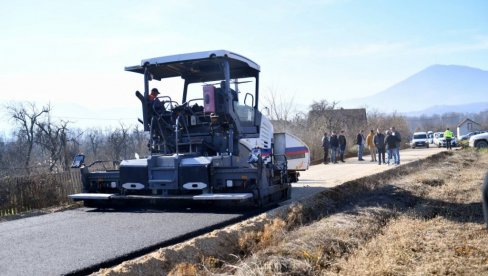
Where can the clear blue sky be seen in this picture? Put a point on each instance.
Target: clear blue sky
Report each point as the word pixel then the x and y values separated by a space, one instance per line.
pixel 72 53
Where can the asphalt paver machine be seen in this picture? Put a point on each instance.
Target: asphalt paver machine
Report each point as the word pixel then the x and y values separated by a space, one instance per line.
pixel 210 144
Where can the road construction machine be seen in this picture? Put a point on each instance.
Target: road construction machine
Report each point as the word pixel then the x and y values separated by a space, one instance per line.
pixel 212 145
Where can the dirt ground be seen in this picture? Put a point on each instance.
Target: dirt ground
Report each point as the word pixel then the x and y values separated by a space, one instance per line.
pixel 423 218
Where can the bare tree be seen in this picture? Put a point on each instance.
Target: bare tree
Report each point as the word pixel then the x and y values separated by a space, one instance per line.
pixel 425 124
pixel 71 147
pixel 323 120
pixel 117 141
pixel 482 119
pixel 384 121
pixel 139 141
pixel 26 117
pixel 95 138
pixel 323 105
pixel 53 138
pixel 281 109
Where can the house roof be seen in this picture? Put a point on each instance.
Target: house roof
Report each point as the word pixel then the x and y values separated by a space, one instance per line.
pixel 465 121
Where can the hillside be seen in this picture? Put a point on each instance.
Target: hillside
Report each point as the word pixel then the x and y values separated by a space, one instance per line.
pixel 442 109
pixel 437 85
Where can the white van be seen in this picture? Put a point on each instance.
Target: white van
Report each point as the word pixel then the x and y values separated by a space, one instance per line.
pixel 419 140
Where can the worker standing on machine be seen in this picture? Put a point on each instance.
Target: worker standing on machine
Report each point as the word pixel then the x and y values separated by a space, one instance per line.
pixel 155 104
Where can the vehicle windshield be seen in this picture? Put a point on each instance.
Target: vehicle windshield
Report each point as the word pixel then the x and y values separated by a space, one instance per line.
pixel 243 91
pixel 243 96
pixel 420 136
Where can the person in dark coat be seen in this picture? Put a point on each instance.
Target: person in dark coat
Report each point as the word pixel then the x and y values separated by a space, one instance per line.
pixel 391 144
pixel 325 146
pixel 334 144
pixel 342 145
pixel 360 142
pixel 379 142
pixel 396 152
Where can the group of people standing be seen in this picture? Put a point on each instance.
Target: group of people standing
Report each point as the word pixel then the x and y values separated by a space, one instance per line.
pixel 336 144
pixel 379 143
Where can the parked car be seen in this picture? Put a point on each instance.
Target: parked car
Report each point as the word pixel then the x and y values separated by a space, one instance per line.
pixel 468 135
pixel 441 141
pixel 479 140
pixel 419 139
pixel 437 137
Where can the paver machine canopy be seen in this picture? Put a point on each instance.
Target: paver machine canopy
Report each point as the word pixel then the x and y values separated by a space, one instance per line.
pixel 218 74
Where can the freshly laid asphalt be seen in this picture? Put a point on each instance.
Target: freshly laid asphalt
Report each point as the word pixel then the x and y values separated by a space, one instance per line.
pixel 71 241
pixel 81 240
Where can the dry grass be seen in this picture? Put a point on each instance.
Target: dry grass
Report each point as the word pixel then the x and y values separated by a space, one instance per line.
pixel 415 246
pixel 419 219
pixel 428 221
pixel 442 235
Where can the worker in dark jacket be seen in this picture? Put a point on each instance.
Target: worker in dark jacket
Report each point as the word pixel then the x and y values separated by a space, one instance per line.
pixel 391 144
pixel 398 138
pixel 325 146
pixel 342 145
pixel 156 106
pixel 360 142
pixel 379 142
pixel 334 144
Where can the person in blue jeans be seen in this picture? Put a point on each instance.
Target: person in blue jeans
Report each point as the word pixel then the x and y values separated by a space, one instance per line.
pixel 396 151
pixel 360 142
pixel 391 143
pixel 333 144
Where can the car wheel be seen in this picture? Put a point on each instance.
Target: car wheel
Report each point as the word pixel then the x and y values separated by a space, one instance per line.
pixel 481 144
pixel 427 146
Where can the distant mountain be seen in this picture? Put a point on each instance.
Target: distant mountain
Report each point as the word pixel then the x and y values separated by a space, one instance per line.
pixel 437 85
pixel 441 109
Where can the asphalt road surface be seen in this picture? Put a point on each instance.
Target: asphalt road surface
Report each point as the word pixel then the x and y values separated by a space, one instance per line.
pixel 74 240
pixel 320 177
